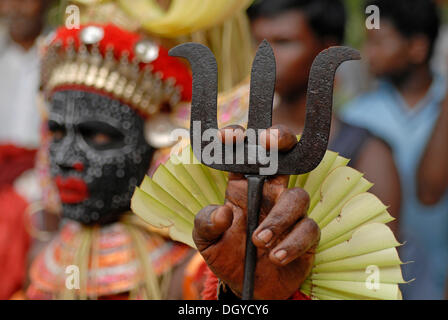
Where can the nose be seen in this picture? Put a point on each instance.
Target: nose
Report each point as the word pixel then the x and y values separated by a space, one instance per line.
pixel 67 156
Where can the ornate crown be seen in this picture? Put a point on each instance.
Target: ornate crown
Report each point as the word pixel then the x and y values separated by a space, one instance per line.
pixel 109 60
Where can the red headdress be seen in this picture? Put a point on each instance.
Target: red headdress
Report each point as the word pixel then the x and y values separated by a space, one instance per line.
pixel 111 61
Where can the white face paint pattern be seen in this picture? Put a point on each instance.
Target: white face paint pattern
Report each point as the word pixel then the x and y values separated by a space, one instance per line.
pixel 98 155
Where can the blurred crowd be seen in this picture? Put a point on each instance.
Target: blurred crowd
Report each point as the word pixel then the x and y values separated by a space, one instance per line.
pixel 391 119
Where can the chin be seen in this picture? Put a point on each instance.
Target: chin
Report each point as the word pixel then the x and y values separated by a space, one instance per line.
pixel 24 33
pixel 89 215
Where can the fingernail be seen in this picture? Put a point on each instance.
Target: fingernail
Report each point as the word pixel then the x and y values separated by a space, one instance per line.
pixel 281 255
pixel 265 236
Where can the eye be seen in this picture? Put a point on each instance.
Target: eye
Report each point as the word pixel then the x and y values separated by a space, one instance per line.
pixel 57 131
pixel 101 135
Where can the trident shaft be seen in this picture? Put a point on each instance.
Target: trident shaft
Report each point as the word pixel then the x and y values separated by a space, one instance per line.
pixel 303 158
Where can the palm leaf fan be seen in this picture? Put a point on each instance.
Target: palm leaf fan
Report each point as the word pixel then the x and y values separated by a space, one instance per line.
pixel 356 257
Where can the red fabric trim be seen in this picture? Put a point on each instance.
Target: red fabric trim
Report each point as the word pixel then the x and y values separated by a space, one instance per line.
pixel 13 162
pixel 33 293
pixel 298 295
pixel 14 242
pixel 210 291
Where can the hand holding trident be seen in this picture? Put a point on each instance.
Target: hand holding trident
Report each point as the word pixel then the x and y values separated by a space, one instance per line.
pixel 302 158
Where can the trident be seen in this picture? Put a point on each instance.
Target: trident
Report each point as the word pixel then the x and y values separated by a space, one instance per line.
pixel 303 158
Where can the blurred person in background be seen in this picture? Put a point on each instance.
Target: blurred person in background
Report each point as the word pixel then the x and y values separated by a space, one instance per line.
pixel 403 110
pixel 433 169
pixel 23 22
pixel 19 65
pixel 298 31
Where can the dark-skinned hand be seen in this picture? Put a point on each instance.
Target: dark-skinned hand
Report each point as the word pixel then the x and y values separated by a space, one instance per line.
pixel 286 238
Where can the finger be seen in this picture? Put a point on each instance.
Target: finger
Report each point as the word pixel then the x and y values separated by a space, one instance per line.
pixel 291 206
pixel 280 180
pixel 304 237
pixel 232 134
pixel 278 137
pixel 272 190
pixel 235 176
pixel 210 223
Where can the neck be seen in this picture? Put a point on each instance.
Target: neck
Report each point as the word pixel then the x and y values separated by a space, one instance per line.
pixel 414 85
pixel 26 41
pixel 25 44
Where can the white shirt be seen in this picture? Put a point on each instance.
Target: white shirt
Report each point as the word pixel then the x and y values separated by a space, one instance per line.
pixel 19 83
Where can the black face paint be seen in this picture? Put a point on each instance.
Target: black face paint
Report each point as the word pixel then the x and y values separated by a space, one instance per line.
pixel 98 155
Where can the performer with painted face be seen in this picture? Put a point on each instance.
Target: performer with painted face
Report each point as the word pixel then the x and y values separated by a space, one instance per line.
pixel 102 84
pixel 112 99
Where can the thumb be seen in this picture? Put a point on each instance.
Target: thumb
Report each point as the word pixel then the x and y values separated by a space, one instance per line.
pixel 209 225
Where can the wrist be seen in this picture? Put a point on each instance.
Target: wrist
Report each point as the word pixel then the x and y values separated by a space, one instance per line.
pixel 226 293
pixel 215 289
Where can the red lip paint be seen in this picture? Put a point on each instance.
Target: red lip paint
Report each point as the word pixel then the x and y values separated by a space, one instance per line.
pixel 72 190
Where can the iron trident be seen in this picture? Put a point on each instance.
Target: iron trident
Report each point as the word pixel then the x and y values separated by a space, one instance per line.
pixel 303 158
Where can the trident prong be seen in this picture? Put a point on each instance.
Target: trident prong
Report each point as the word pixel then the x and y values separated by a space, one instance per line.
pixel 303 158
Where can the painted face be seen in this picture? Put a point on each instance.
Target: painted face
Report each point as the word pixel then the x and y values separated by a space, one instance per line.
pixel 98 154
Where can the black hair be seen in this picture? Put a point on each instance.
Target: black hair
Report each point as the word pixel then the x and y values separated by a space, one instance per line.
pixel 326 17
pixel 411 17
